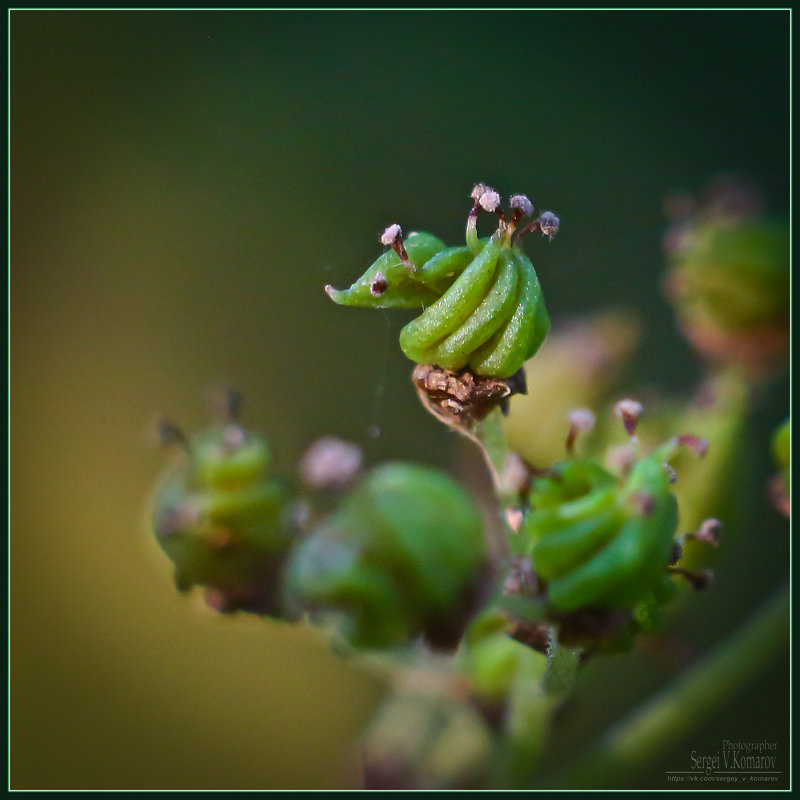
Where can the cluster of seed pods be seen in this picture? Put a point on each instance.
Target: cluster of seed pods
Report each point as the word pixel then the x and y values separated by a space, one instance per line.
pixel 483 305
pixel 403 555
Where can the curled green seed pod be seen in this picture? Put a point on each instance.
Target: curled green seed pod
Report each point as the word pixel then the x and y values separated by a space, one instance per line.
pixel 604 541
pixel 402 556
pixel 598 543
pixel 217 516
pixel 483 305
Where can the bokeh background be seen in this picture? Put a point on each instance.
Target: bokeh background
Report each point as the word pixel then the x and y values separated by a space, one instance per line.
pixel 183 185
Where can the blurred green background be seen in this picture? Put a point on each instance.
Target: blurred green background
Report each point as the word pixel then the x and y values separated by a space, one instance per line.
pixel 183 185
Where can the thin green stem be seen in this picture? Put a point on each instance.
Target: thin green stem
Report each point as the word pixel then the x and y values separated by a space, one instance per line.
pixel 491 438
pixel 666 719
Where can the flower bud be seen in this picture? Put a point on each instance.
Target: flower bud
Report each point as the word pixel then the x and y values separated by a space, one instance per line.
pixel 217 516
pixel 729 281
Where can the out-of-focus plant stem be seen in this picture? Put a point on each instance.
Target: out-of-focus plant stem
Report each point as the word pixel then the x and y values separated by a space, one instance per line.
pixel 534 697
pixel 663 721
pixel 540 686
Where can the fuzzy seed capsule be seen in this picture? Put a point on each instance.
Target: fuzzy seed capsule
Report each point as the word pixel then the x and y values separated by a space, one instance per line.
pixel 402 556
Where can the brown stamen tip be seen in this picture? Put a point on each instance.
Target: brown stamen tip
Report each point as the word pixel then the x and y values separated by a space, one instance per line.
pixel 694 443
pixel 676 554
pixel 490 200
pixel 549 224
pixel 234 402
pixel 522 204
pixel 698 580
pixel 629 412
pixel 379 285
pixel 225 404
pixel 393 237
pixel 521 207
pixel 581 420
pixel 391 234
pixel 643 502
pixel 169 433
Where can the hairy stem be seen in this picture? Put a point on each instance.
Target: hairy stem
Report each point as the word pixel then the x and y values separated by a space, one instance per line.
pixel 562 666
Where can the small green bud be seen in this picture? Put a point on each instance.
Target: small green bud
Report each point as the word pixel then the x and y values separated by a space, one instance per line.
pixel 217 516
pixel 490 656
pixel 402 556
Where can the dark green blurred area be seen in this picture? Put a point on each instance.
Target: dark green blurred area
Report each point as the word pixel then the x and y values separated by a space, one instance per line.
pixel 183 185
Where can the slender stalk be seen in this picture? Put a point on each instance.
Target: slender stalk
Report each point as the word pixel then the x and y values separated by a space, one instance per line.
pixel 666 719
pixel 536 693
pixel 491 438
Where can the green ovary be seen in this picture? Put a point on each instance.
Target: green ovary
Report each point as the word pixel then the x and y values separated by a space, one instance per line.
pixel 396 559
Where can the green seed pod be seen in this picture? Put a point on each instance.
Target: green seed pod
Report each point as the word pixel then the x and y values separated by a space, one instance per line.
pixel 729 278
pixel 600 541
pixel 483 305
pixel 402 556
pixel 217 516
